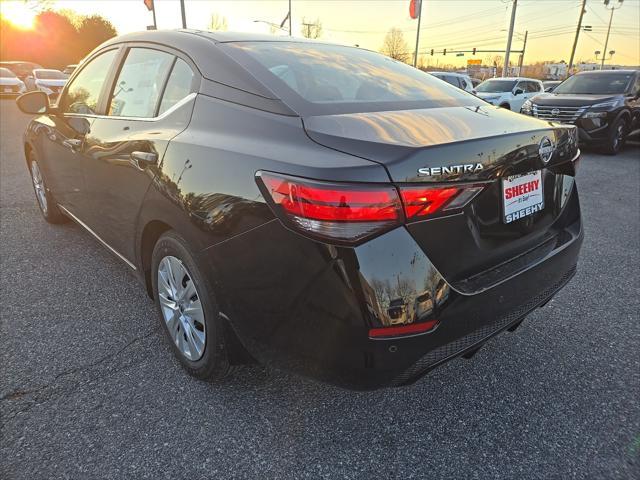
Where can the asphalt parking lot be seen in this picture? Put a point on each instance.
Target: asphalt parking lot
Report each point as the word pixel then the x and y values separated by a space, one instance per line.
pixel 89 387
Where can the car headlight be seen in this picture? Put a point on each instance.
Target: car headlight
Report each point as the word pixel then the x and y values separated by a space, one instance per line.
pixel 526 107
pixel 613 103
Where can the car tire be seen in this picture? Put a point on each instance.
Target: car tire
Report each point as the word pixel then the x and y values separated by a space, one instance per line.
pixel 173 266
pixel 505 105
pixel 46 201
pixel 616 137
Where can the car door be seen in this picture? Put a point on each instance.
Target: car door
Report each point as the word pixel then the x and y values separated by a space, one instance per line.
pixel 64 129
pixel 150 101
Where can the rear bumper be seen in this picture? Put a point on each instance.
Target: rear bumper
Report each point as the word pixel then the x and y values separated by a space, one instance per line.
pixel 308 307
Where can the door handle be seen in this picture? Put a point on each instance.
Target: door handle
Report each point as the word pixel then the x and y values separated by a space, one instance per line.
pixel 142 160
pixel 72 143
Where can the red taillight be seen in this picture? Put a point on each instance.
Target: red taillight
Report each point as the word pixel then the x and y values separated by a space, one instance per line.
pixel 349 213
pixel 343 212
pixel 423 201
pixel 410 329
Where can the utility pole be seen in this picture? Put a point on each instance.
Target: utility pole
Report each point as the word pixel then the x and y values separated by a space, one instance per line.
pixel 505 69
pixel 575 40
pixel 415 55
pixel 184 15
pixel 606 42
pixel 289 17
pixel 524 47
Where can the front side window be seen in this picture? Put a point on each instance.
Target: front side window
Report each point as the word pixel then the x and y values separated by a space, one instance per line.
pixel 83 93
pixel 179 85
pixel 317 79
pixel 6 73
pixel 139 84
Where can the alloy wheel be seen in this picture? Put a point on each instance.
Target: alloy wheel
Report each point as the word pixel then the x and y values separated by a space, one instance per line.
pixel 181 308
pixel 39 187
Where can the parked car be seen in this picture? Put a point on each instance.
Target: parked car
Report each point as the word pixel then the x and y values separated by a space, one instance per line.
pixel 550 85
pixel 68 70
pixel 509 92
pixel 604 104
pixel 456 79
pixel 10 84
pixel 21 69
pixel 49 81
pixel 273 212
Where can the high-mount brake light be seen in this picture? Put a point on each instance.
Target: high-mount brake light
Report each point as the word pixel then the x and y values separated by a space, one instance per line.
pixel 346 213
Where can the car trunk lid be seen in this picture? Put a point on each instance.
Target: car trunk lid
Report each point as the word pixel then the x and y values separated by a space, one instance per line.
pixel 478 246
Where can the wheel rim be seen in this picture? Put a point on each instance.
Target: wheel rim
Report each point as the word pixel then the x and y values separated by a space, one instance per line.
pixel 38 186
pixel 181 308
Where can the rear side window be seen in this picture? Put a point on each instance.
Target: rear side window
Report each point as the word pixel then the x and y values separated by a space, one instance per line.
pixel 83 92
pixel 139 83
pixel 316 79
pixel 179 85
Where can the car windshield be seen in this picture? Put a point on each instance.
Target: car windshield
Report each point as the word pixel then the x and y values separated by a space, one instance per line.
pixel 595 83
pixel 50 75
pixel 6 73
pixel 326 79
pixel 496 86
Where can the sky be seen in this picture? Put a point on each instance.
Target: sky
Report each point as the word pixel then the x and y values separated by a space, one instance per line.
pixel 450 24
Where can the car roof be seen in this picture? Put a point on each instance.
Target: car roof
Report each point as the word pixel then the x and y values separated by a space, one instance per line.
pixel 46 70
pixel 602 72
pixel 449 73
pixel 213 63
pixel 517 78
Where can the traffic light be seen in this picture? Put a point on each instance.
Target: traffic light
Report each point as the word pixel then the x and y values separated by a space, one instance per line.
pixel 444 52
pixel 474 50
pixel 432 52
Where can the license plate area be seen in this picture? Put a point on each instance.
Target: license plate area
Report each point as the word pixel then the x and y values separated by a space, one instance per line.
pixel 522 195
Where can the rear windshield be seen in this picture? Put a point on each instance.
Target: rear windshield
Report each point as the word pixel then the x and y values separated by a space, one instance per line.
pixel 5 72
pixel 50 75
pixel 496 86
pixel 595 83
pixel 317 79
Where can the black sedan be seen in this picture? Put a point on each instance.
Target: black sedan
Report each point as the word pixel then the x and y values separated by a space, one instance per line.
pixel 314 207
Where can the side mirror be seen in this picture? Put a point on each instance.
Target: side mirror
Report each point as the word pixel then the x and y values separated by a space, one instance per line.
pixel 80 125
pixel 36 102
pixel 518 91
pixel 548 89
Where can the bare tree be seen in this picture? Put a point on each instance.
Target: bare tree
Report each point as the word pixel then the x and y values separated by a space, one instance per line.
pixel 217 22
pixel 311 29
pixel 395 46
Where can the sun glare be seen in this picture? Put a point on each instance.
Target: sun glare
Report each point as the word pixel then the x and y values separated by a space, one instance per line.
pixel 18 13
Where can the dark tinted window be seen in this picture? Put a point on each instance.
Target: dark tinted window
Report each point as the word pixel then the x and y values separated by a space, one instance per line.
pixel 496 86
pixel 317 79
pixel 608 83
pixel 179 85
pixel 463 83
pixel 84 91
pixel 139 83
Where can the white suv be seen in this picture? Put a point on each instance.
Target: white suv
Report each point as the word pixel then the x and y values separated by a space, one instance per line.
pixel 459 80
pixel 509 92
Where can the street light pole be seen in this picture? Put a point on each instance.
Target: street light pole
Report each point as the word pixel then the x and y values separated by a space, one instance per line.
pixel 289 17
pixel 184 15
pixel 505 68
pixel 575 40
pixel 524 47
pixel 606 42
pixel 415 55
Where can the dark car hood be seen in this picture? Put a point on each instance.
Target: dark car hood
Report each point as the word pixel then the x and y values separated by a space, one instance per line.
pixel 569 99
pixel 388 137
